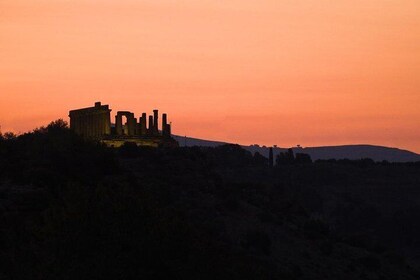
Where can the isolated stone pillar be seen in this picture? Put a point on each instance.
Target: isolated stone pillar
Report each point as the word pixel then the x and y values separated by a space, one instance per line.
pixel 156 122
pixel 271 157
pixel 165 125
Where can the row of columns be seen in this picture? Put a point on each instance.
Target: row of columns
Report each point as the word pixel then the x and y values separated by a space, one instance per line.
pixel 92 124
pixel 140 128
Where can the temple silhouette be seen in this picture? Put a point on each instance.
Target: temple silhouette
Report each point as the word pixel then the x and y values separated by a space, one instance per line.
pixel 95 123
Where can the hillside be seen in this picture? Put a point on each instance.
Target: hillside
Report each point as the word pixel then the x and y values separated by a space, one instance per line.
pixel 74 209
pixel 353 152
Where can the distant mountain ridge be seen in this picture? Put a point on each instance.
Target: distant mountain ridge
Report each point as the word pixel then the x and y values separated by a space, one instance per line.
pixel 377 153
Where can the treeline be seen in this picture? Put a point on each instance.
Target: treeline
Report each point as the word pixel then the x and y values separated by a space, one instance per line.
pixel 53 154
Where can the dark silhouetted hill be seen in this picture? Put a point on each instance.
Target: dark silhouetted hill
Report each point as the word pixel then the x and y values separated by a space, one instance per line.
pixel 76 209
pixel 377 153
pixel 190 142
pixel 353 152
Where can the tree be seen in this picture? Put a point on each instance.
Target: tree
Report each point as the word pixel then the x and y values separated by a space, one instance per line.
pixel 57 125
pixel 303 158
pixel 9 136
pixel 285 157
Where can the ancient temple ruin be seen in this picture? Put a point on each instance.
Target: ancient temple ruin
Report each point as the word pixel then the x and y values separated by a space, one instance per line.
pixel 95 123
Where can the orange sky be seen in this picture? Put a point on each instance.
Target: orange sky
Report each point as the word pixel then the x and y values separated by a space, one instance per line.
pixel 282 72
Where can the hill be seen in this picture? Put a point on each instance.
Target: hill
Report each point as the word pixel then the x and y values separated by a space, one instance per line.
pixel 353 152
pixel 76 209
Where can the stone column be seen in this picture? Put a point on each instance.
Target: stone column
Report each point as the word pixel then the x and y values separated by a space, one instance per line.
pixel 108 123
pixel 151 126
pixel 94 125
pixel 89 126
pixel 165 125
pixel 156 122
pixel 143 125
pixel 118 124
pixel 131 124
pixel 142 120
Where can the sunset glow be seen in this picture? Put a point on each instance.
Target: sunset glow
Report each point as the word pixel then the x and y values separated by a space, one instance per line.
pixel 268 72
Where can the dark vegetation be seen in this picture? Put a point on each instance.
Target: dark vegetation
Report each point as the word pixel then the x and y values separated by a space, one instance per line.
pixel 74 209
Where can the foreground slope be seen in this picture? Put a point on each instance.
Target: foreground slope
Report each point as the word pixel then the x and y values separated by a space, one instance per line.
pixel 71 209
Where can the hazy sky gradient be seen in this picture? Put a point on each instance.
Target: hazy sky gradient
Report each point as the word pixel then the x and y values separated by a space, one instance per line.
pixel 269 72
